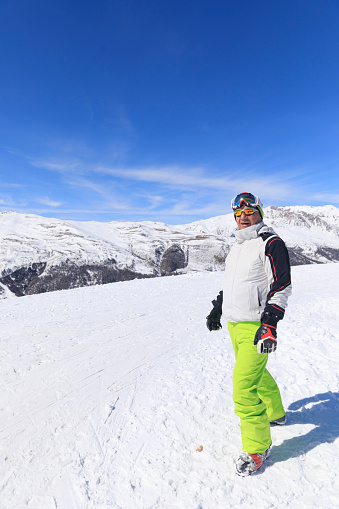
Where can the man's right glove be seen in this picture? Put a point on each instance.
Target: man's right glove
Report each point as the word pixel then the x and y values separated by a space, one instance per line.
pixel 213 319
pixel 266 336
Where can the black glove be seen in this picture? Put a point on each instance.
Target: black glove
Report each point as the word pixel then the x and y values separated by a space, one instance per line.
pixel 266 336
pixel 213 319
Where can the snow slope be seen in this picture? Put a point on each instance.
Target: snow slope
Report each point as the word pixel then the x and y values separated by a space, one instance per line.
pixel 108 391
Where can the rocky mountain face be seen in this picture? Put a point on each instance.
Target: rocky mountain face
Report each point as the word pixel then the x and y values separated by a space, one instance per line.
pixel 39 254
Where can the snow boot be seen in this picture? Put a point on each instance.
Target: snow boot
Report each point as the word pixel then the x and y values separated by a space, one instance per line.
pixel 249 463
pixel 279 422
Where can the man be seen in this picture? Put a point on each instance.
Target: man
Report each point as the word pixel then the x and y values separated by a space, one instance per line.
pixel 256 288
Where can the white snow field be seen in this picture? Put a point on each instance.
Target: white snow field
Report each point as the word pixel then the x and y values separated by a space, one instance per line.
pixel 108 391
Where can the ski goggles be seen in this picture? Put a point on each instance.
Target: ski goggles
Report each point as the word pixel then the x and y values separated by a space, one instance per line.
pixel 249 199
pixel 246 198
pixel 247 212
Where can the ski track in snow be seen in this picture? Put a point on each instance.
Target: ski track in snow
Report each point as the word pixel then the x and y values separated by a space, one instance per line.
pixel 107 392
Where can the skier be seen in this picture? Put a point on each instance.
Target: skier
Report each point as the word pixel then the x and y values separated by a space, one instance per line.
pixel 254 297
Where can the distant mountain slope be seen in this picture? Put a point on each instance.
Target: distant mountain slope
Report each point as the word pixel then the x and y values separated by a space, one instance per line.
pixel 39 254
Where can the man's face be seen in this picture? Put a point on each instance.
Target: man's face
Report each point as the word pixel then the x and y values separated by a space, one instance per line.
pixel 245 221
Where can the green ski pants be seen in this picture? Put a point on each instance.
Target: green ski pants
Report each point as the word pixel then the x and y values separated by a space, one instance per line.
pixel 255 393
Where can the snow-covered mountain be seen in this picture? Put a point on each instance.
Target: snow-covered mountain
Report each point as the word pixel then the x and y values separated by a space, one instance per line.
pixel 39 254
pixel 107 393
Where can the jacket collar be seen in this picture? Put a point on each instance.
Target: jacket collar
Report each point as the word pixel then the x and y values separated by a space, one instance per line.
pixel 251 232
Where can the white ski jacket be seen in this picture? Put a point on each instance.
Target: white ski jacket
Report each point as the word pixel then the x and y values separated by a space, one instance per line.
pixel 258 275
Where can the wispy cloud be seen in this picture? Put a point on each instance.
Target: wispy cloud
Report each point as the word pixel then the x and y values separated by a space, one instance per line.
pixel 326 197
pixel 207 184
pixel 49 202
pixel 9 201
pixel 167 191
pixel 103 191
pixel 182 178
pixel 198 178
pixel 10 185
pixel 62 166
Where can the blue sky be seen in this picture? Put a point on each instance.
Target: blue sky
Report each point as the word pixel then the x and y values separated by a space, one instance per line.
pixel 163 110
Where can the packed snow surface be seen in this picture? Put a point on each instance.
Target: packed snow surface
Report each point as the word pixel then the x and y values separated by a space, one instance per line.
pixel 107 392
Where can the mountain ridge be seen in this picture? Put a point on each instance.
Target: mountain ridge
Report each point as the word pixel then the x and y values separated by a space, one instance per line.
pixel 39 254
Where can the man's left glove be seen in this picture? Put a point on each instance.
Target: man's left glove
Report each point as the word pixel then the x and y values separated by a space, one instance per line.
pixel 266 336
pixel 213 319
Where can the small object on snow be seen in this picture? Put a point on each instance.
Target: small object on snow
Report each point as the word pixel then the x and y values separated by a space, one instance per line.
pixel 200 448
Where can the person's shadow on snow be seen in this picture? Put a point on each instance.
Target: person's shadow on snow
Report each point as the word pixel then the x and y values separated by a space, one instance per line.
pixel 321 411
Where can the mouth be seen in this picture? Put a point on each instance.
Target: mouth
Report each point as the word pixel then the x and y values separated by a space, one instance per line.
pixel 244 224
